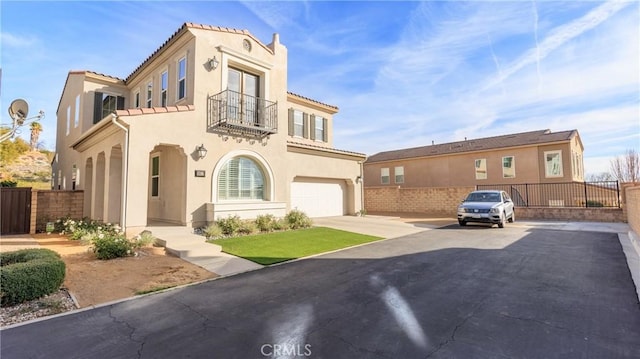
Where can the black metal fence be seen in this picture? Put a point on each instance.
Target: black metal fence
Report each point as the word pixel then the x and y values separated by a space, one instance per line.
pixel 565 194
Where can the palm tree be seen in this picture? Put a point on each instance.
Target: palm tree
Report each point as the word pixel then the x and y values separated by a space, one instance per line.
pixel 36 128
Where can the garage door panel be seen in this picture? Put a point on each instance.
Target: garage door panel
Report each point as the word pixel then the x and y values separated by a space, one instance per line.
pixel 318 198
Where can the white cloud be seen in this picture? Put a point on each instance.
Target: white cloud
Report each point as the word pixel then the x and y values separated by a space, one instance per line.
pixel 18 41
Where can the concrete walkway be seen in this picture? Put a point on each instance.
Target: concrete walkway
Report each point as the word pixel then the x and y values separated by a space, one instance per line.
pixel 183 243
pixel 14 242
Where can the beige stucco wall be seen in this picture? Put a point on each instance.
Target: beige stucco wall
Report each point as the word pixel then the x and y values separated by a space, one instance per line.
pixel 459 169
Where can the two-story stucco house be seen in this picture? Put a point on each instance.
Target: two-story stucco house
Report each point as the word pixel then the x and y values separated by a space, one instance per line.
pixel 530 157
pixel 204 128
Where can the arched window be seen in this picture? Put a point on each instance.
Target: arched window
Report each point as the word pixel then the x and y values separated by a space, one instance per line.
pixel 240 178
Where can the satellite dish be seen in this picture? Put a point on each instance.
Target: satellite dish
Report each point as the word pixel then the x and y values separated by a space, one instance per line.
pixel 19 110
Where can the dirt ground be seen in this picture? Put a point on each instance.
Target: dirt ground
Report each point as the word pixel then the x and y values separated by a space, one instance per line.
pixel 94 281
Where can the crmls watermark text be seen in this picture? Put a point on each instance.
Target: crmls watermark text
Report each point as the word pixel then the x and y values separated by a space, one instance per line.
pixel 280 350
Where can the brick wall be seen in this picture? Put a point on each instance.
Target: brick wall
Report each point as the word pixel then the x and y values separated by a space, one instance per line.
pixel 431 200
pixel 632 206
pixel 51 205
pixel 591 214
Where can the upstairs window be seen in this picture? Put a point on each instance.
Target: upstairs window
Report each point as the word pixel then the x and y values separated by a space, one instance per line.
pixel 106 104
pixel 68 119
pixel 164 82
pixel 298 123
pixel 481 169
pixel 318 128
pixel 149 94
pixel 182 78
pixel 399 174
pixel 136 100
pixel 384 176
pixel 508 167
pixel 76 121
pixel 553 163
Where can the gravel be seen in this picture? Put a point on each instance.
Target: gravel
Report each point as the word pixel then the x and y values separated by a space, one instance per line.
pixel 55 303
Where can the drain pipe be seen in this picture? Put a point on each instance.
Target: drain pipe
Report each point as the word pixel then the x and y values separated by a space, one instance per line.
pixel 125 173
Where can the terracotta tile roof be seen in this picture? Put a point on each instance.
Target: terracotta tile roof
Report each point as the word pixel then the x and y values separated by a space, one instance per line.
pixel 480 144
pixel 184 28
pixel 152 110
pixel 85 72
pixel 312 100
pixel 326 149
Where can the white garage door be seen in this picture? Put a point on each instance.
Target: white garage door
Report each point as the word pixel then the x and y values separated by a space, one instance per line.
pixel 318 199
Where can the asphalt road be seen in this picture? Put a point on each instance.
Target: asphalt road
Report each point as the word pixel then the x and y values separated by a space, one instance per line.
pixel 471 292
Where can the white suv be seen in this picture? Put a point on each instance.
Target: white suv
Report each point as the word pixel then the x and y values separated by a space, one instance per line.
pixel 493 207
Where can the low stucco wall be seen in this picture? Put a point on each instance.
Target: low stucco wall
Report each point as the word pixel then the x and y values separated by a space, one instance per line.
pixel 52 205
pixel 432 200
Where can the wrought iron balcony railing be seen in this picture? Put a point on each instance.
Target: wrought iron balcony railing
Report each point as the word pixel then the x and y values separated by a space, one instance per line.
pixel 233 113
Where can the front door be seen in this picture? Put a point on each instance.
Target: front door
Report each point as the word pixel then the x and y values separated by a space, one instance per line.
pixel 243 100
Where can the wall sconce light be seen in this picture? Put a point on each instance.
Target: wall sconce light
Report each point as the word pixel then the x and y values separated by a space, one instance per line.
pixel 358 179
pixel 201 151
pixel 213 63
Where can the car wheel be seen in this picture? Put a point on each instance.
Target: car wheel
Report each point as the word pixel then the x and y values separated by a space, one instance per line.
pixel 502 220
pixel 462 223
pixel 513 217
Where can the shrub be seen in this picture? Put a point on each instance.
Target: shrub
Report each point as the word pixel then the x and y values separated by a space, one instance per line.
pixel 229 225
pixel 8 183
pixel 247 227
pixel 213 231
pixel 29 274
pixel 109 246
pixel 280 225
pixel 144 239
pixel 298 219
pixel 266 222
pixel 591 203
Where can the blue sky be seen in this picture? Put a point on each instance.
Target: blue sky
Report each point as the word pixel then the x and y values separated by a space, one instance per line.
pixel 403 73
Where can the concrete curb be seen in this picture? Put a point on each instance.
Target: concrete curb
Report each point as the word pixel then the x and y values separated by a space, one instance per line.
pixel 631 247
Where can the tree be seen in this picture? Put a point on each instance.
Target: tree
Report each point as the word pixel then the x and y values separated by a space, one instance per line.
pixel 36 128
pixel 626 168
pixel 600 177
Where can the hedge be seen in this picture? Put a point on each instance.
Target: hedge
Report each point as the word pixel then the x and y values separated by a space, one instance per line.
pixel 29 274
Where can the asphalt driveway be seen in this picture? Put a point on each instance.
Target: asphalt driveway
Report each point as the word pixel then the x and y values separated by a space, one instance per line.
pixel 469 292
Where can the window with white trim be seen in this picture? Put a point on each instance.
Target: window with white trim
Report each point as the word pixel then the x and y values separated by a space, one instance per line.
pixel 149 94
pixel 553 163
pixel 241 178
pixel 155 176
pixel 76 121
pixel 298 123
pixel 136 100
pixel 481 169
pixel 319 129
pixel 164 83
pixel 384 176
pixel 399 174
pixel 508 167
pixel 182 78
pixel 75 180
pixel 68 119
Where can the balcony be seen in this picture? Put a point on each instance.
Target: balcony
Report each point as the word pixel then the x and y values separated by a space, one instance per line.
pixel 235 114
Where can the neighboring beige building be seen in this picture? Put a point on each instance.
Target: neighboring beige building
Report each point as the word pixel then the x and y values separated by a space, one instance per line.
pixel 135 145
pixel 530 157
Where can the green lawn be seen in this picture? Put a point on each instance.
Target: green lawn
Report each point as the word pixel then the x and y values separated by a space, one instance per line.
pixel 283 246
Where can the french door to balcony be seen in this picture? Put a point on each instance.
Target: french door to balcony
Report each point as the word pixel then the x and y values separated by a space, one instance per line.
pixel 243 97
